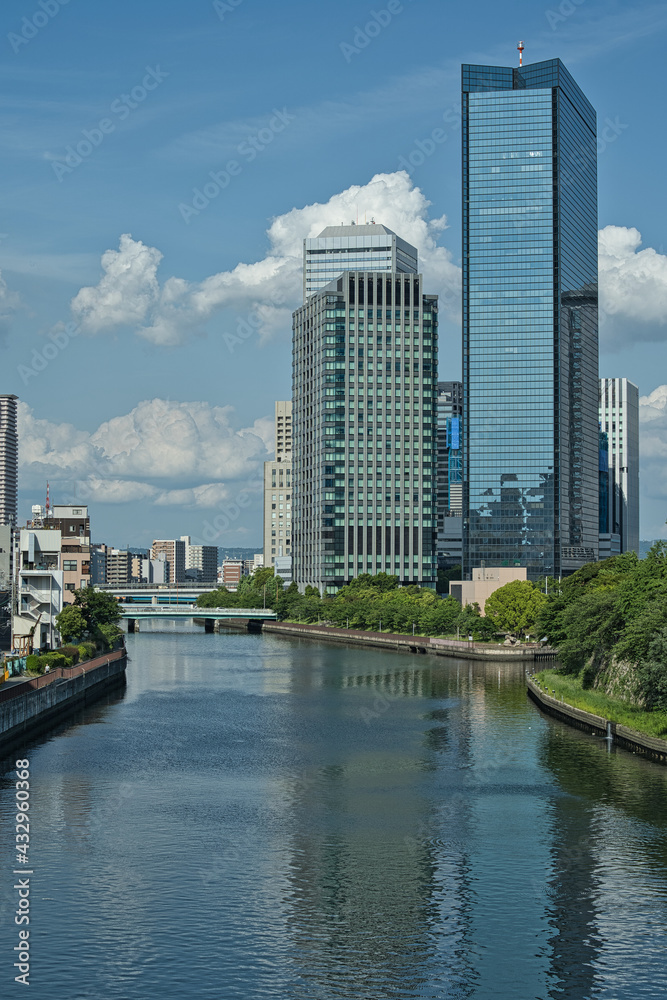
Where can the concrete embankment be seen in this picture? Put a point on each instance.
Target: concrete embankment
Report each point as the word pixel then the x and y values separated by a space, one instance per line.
pixel 401 643
pixel 30 705
pixel 627 738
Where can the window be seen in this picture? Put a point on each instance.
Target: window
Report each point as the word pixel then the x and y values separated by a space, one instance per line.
pixel 69 565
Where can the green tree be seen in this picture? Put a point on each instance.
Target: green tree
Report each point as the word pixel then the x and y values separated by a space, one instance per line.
pixel 97 607
pixel 515 607
pixel 71 623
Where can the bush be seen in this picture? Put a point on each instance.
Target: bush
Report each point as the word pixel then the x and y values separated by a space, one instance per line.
pixel 72 652
pixel 33 665
pixel 55 659
pixel 87 650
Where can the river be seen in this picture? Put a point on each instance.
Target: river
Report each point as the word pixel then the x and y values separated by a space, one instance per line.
pixel 256 816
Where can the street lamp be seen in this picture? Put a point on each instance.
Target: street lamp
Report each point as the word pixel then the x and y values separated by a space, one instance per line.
pixel 413 628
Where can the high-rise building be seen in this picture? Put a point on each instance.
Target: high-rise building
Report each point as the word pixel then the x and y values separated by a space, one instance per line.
pixel 450 473
pixel 174 553
pixel 530 327
pixel 118 567
pixel 354 248
pixel 363 391
pixel 9 459
pixel 201 561
pixel 278 490
pixel 619 421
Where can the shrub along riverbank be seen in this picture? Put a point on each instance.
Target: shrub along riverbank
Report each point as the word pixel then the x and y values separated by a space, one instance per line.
pixel 608 622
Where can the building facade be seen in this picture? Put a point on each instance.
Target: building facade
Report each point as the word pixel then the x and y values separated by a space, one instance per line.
pixel 9 459
pixel 278 489
pixel 118 567
pixel 354 248
pixel 173 550
pixel 530 320
pixel 450 473
pixel 73 523
pixel 201 561
pixel 40 588
pixel 619 422
pixel 364 391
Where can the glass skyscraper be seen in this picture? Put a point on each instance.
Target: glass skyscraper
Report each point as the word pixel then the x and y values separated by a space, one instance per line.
pixel 530 320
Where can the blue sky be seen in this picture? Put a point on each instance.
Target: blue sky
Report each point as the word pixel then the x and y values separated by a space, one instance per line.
pixel 162 163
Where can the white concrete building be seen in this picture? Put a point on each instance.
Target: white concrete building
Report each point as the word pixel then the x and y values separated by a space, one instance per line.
pixel 619 420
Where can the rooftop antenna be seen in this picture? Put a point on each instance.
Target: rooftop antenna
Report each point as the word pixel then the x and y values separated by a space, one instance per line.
pixel 520 47
pixel 48 502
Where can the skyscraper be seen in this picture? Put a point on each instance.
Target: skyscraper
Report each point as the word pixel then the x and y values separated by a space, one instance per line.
pixel 619 420
pixel 9 459
pixel 354 248
pixel 530 333
pixel 278 490
pixel 363 392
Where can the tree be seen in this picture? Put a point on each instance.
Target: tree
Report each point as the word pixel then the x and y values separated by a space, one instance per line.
pixel 514 607
pixel 444 577
pixel 97 607
pixel 71 623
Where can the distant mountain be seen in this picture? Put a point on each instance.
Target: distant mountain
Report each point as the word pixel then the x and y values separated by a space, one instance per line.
pixel 645 545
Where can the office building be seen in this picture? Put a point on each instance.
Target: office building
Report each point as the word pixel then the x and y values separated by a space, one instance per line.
pixel 449 473
pixel 278 489
pixel 530 328
pixel 363 391
pixel 354 248
pixel 619 421
pixel 9 459
pixel 174 553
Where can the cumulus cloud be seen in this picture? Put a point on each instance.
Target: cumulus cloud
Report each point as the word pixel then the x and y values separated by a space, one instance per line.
pixel 633 287
pixel 129 293
pixel 126 292
pixel 164 452
pixel 9 303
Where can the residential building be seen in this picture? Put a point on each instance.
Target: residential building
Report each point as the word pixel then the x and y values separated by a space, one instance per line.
pixel 278 489
pixel 354 248
pixel 119 567
pixel 73 523
pixel 40 588
pixel 232 571
pixel 364 391
pixel 155 570
pixel 9 459
pixel 530 328
pixel 449 473
pixel 619 421
pixel 201 561
pixel 174 553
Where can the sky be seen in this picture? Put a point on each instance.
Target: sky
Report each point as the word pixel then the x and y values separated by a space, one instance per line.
pixel 162 164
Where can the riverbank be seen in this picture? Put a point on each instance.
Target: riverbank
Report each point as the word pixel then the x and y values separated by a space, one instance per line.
pixel 398 642
pixel 627 737
pixel 29 705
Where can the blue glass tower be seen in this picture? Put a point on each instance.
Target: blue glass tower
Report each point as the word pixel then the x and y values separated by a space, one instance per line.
pixel 530 326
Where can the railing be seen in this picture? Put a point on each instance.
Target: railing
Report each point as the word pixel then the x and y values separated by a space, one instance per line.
pixel 16 689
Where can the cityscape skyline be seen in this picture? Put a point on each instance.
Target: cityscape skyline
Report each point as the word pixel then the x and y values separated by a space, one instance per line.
pixel 192 351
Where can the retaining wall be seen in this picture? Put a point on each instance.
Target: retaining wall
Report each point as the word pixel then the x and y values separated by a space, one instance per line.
pixel 33 703
pixel 627 738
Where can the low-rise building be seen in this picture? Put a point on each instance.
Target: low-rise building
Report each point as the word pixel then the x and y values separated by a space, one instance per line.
pixel 40 588
pixel 484 581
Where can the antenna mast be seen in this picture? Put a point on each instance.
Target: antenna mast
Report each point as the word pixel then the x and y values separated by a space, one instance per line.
pixel 520 47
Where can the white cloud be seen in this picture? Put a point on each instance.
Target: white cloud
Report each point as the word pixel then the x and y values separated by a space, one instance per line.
pixel 633 287
pixel 126 293
pixel 165 452
pixel 267 290
pixel 9 302
pixel 653 461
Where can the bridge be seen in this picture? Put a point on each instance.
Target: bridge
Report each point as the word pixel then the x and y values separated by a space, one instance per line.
pixel 158 593
pixel 211 616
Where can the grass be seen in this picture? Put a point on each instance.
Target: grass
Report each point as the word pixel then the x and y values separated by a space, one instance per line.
pixel 568 688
